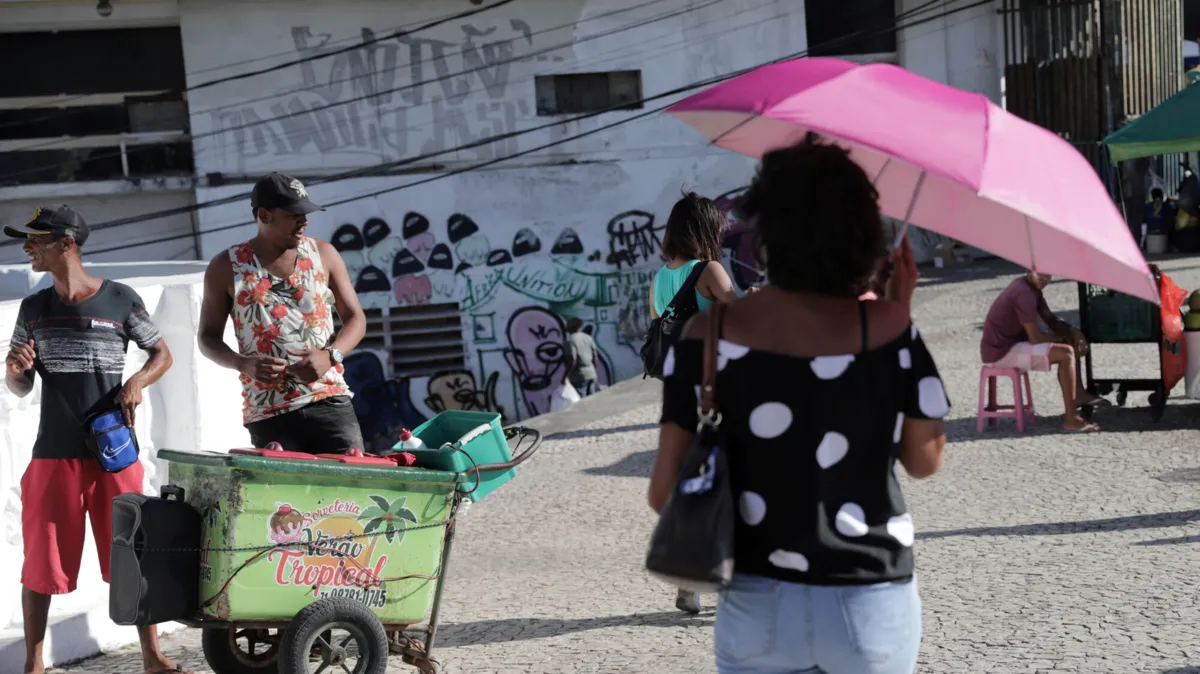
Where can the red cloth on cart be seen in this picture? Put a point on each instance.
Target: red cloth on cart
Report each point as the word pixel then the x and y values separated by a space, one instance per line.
pixel 1174 351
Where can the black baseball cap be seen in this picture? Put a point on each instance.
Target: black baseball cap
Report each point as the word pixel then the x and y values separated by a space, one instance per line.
pixel 59 220
pixel 282 192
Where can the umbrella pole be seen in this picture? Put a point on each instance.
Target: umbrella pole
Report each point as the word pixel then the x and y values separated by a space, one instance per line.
pixel 881 170
pixel 875 182
pixel 912 203
pixel 1029 238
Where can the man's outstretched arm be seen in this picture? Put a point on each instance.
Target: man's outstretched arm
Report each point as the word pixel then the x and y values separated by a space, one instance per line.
pixel 1064 331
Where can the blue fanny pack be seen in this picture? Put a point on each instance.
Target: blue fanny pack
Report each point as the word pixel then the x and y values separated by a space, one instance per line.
pixel 113 443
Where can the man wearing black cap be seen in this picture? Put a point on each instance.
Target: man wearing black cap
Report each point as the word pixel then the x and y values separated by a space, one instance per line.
pixel 75 335
pixel 280 288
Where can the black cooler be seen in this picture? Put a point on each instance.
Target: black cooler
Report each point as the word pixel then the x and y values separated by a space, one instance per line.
pixel 155 560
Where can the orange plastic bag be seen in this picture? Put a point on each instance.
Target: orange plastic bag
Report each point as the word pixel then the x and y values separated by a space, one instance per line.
pixel 1174 351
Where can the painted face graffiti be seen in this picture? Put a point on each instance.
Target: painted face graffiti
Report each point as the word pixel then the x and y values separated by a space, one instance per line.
pixel 421 245
pixel 473 250
pixel 536 355
pixel 456 390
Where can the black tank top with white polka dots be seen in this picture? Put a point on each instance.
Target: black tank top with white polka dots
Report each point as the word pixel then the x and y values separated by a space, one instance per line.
pixel 813 447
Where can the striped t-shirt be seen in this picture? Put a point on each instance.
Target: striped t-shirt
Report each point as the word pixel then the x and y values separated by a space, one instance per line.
pixel 80 358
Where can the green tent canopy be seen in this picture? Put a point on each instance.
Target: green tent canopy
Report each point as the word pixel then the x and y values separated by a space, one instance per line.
pixel 1171 127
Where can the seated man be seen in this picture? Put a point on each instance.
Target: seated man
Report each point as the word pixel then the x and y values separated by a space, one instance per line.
pixel 1012 337
pixel 1158 216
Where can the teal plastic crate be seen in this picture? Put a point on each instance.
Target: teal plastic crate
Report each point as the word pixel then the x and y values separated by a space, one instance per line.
pixel 476 433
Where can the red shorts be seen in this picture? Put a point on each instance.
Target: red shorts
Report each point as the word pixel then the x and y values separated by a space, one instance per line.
pixel 56 495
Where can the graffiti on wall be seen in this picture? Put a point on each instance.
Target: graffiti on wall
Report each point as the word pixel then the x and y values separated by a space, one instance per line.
pixel 413 268
pixel 515 299
pixel 537 356
pixel 361 100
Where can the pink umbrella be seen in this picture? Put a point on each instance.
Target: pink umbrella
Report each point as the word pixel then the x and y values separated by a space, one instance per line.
pixel 942 158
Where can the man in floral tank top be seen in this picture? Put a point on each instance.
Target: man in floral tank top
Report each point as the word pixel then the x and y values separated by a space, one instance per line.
pixel 280 289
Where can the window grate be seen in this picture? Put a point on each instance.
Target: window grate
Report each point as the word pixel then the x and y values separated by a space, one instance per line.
pixel 418 340
pixel 581 93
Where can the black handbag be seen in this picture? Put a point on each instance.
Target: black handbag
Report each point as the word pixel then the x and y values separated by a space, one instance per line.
pixel 692 544
pixel 665 330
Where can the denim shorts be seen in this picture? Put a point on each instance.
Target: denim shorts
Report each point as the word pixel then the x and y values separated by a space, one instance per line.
pixel 767 626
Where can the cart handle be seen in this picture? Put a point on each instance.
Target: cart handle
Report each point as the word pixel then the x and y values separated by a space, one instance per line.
pixel 517 460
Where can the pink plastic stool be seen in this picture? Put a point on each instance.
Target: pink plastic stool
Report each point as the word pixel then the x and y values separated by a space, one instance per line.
pixel 990 411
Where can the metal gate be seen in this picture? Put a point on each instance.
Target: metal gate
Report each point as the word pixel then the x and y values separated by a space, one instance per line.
pixel 1083 68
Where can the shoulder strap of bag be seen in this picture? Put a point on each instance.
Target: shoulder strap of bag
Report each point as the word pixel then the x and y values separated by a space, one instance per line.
pixel 688 286
pixel 862 324
pixel 708 390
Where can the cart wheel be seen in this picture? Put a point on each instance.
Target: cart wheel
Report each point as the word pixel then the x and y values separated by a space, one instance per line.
pixel 1121 398
pixel 241 651
pixel 334 635
pixel 1158 405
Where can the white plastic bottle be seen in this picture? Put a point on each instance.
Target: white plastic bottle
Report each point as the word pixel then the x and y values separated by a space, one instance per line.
pixel 409 442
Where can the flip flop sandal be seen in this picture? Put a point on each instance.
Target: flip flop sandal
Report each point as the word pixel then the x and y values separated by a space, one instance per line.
pixel 1087 428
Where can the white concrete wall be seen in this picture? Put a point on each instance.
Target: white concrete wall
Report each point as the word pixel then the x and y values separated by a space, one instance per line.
pixel 195 406
pixel 964 50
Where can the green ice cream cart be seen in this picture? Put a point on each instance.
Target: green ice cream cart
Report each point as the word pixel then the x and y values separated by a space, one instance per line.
pixel 296 548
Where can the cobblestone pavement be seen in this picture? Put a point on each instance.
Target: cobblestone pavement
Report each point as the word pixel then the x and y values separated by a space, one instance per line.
pixel 1038 552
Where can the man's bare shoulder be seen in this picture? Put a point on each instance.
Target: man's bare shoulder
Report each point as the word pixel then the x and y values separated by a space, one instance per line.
pixel 220 272
pixel 221 260
pixel 324 246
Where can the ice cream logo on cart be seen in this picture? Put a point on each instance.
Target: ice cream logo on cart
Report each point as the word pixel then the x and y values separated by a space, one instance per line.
pixel 333 548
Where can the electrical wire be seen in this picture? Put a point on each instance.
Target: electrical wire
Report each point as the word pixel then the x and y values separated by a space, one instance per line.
pixel 657 50
pixel 620 53
pixel 320 108
pixel 307 59
pixel 491 139
pixel 355 78
pixel 270 57
pixel 365 97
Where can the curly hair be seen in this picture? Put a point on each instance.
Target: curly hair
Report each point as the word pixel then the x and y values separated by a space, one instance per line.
pixel 816 218
pixel 695 229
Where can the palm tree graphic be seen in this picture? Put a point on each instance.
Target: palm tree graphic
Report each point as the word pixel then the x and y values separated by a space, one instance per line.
pixel 394 515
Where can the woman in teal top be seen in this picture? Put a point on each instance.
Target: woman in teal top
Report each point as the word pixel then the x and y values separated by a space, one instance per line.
pixel 692 236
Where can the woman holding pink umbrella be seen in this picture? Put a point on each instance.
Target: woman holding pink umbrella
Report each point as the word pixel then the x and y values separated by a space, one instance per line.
pixel 822 395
